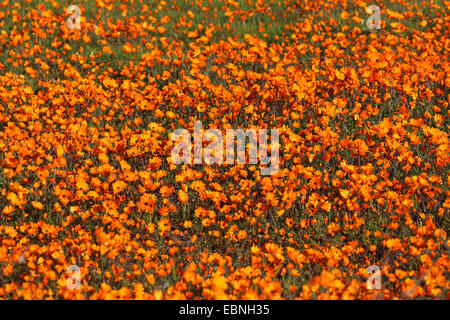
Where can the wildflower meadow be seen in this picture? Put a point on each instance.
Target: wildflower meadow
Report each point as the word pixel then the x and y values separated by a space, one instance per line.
pixel 224 149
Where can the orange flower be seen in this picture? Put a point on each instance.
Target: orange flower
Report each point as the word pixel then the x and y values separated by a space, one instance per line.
pixel 128 48
pixel 182 196
pixel 37 205
pixel 119 186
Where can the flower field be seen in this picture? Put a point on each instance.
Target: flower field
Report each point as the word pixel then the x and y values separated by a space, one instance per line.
pixel 92 205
